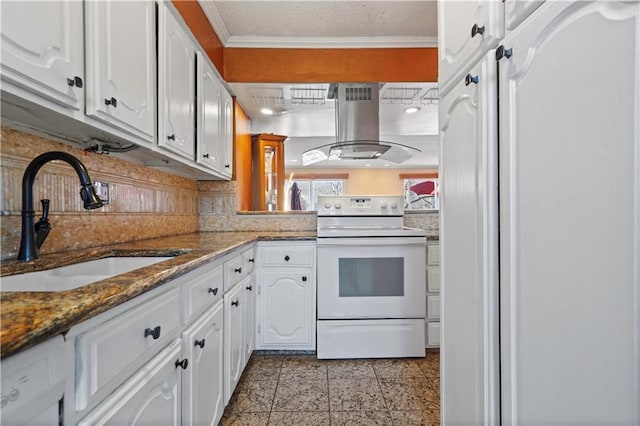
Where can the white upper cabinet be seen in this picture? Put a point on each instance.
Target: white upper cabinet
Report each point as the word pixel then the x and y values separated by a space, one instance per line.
pixel 569 212
pixel 209 149
pixel 42 50
pixel 176 88
pixel 517 11
pixel 466 31
pixel 120 60
pixel 226 126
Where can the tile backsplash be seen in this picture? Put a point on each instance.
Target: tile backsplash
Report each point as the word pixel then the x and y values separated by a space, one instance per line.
pixel 144 203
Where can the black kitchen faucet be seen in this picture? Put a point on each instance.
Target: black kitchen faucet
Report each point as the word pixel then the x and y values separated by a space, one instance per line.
pixel 30 242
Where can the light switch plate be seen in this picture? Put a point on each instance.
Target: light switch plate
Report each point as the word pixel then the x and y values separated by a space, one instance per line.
pixel 102 190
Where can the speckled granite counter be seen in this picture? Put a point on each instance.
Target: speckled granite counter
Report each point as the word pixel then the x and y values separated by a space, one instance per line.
pixel 28 318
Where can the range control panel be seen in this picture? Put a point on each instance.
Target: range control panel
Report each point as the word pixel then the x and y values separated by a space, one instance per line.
pixel 360 205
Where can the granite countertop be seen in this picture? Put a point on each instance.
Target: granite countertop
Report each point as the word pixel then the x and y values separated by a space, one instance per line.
pixel 28 318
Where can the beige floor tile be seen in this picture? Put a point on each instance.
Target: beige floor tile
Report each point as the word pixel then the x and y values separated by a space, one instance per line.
pixel 355 395
pixel 363 418
pixel 430 365
pixel 303 367
pixel 397 368
pixel 259 371
pixel 350 369
pixel 245 419
pixel 288 418
pixel 429 417
pixel 252 397
pixel 408 393
pixel 266 360
pixel 301 395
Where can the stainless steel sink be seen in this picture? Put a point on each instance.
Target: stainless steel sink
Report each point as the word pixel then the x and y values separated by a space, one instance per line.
pixel 76 275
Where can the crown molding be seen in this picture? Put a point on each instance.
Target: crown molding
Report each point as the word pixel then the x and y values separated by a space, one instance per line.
pixel 216 21
pixel 330 42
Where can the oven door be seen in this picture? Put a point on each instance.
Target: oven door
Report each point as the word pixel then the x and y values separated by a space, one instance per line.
pixel 371 277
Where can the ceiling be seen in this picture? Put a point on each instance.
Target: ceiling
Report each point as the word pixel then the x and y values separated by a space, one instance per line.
pixel 333 24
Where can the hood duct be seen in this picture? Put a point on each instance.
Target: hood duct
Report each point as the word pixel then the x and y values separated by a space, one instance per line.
pixel 357 110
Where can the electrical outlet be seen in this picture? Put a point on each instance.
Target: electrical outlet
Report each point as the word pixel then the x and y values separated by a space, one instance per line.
pixel 102 190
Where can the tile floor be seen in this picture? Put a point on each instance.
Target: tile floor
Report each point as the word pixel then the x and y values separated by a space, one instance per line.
pixel 302 390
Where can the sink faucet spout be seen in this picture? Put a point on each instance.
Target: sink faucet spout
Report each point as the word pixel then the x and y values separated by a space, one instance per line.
pixel 28 246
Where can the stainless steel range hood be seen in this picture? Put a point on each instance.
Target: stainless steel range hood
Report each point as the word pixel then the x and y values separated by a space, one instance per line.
pixel 358 128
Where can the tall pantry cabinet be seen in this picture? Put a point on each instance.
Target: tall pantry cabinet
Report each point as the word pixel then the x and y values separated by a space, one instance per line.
pixel 541 274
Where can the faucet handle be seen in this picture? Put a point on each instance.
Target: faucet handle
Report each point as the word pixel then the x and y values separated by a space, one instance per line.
pixel 42 226
pixel 45 209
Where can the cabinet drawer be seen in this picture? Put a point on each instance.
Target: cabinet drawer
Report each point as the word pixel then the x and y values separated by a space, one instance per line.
pixel 433 307
pixel 288 255
pixel 248 260
pixel 233 272
pixel 433 254
pixel 433 334
pixel 433 279
pixel 123 344
pixel 200 290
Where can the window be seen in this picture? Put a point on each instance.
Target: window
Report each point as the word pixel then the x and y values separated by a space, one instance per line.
pixel 311 188
pixel 421 194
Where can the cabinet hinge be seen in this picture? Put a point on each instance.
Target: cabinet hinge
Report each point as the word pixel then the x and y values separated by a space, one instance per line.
pixel 259 328
pixel 258 288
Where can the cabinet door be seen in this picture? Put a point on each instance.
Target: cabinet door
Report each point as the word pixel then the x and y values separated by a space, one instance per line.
pixel 458 49
pixel 569 209
pixel 233 338
pixel 209 132
pixel 150 397
pixel 516 11
pixel 120 45
pixel 468 248
pixel 226 126
pixel 42 55
pixel 249 317
pixel 287 308
pixel 202 381
pixel 176 88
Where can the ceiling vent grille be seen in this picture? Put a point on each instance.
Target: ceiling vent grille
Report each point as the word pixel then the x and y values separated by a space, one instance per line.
pixel 356 94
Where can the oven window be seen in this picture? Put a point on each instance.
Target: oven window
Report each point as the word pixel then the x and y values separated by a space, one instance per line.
pixel 371 276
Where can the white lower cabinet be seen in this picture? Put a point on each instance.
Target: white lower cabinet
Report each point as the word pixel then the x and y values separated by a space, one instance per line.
pixel 203 379
pixel 432 328
pixel 286 296
pixel 233 338
pixel 150 397
pixel 287 315
pixel 249 317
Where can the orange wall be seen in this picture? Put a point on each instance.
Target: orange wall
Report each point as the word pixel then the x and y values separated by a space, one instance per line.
pixel 261 65
pixel 242 163
pixel 330 65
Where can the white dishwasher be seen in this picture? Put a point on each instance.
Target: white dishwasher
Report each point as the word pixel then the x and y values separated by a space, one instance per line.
pixel 33 384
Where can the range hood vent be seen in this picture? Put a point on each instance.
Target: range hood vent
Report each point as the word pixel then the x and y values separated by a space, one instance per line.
pixel 357 108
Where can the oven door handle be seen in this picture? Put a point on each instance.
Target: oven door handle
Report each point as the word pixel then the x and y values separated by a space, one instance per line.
pixel 373 241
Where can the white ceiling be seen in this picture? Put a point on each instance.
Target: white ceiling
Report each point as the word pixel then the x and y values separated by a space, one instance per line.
pixel 332 23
